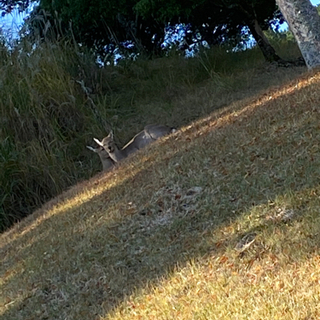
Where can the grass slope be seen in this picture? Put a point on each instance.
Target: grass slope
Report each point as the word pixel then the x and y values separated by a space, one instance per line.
pixel 47 119
pixel 218 221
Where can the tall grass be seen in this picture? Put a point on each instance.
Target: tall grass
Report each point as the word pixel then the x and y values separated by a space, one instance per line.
pixel 46 119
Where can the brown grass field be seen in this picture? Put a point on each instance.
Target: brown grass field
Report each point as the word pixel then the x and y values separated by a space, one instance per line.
pixel 217 221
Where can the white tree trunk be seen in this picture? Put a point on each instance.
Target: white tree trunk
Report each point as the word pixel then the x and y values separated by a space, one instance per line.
pixel 304 22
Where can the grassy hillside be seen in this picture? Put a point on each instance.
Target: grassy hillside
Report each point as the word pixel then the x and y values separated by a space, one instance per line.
pixel 46 118
pixel 217 221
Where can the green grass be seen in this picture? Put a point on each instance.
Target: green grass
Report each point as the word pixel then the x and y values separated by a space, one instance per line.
pixel 163 235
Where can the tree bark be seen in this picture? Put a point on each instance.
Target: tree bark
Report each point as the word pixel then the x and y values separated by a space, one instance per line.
pixel 252 22
pixel 304 22
pixel 267 50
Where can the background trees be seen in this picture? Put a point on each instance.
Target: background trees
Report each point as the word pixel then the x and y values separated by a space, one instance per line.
pixel 99 24
pixel 6 6
pixel 106 24
pixel 220 20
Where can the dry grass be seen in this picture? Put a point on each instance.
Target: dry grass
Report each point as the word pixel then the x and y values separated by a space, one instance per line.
pixel 164 235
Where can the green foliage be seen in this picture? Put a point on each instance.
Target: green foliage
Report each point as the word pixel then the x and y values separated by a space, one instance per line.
pixel 216 21
pixel 283 39
pixel 167 10
pixel 229 12
pixel 101 23
pixel 95 24
pixel 6 6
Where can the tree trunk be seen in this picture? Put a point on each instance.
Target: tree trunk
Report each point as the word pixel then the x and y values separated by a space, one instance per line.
pixel 267 50
pixel 304 22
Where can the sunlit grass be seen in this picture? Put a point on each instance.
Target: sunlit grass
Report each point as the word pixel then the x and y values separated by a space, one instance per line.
pixel 277 277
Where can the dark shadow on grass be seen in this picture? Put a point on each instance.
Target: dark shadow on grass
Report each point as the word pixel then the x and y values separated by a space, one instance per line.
pixel 169 228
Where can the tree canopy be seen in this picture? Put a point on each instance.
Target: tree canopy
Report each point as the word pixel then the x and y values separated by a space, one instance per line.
pixel 217 20
pixel 99 23
pixel 6 6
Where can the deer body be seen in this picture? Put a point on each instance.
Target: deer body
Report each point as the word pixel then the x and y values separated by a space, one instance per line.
pixel 139 141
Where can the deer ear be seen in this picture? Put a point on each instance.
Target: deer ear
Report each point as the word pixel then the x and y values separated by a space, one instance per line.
pixel 98 142
pixel 110 135
pixel 92 149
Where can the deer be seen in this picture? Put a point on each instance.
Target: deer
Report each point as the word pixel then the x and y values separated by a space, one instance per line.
pixel 107 162
pixel 149 134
